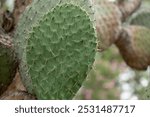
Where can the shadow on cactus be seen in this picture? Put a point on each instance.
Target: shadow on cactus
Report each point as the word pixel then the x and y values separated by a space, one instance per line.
pixel 8 62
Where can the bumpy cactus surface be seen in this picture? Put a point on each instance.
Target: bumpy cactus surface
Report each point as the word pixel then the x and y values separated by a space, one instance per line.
pixel 8 62
pixel 56 47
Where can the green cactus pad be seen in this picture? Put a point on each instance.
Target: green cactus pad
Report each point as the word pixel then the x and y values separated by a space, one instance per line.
pixel 8 63
pixel 141 18
pixel 57 51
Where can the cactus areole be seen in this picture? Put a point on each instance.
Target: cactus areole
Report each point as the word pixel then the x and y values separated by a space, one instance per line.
pixel 56 47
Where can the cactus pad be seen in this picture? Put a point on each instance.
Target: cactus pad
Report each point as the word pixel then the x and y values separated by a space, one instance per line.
pixel 134 46
pixel 8 63
pixel 58 52
pixel 142 17
pixel 108 22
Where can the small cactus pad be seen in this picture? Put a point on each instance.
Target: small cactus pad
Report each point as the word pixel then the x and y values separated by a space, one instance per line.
pixel 8 63
pixel 134 46
pixel 142 18
pixel 58 52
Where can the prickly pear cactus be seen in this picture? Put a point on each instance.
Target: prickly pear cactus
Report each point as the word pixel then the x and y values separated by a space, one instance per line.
pixel 141 18
pixel 56 41
pixel 8 62
pixel 108 23
pixel 56 45
pixel 134 46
